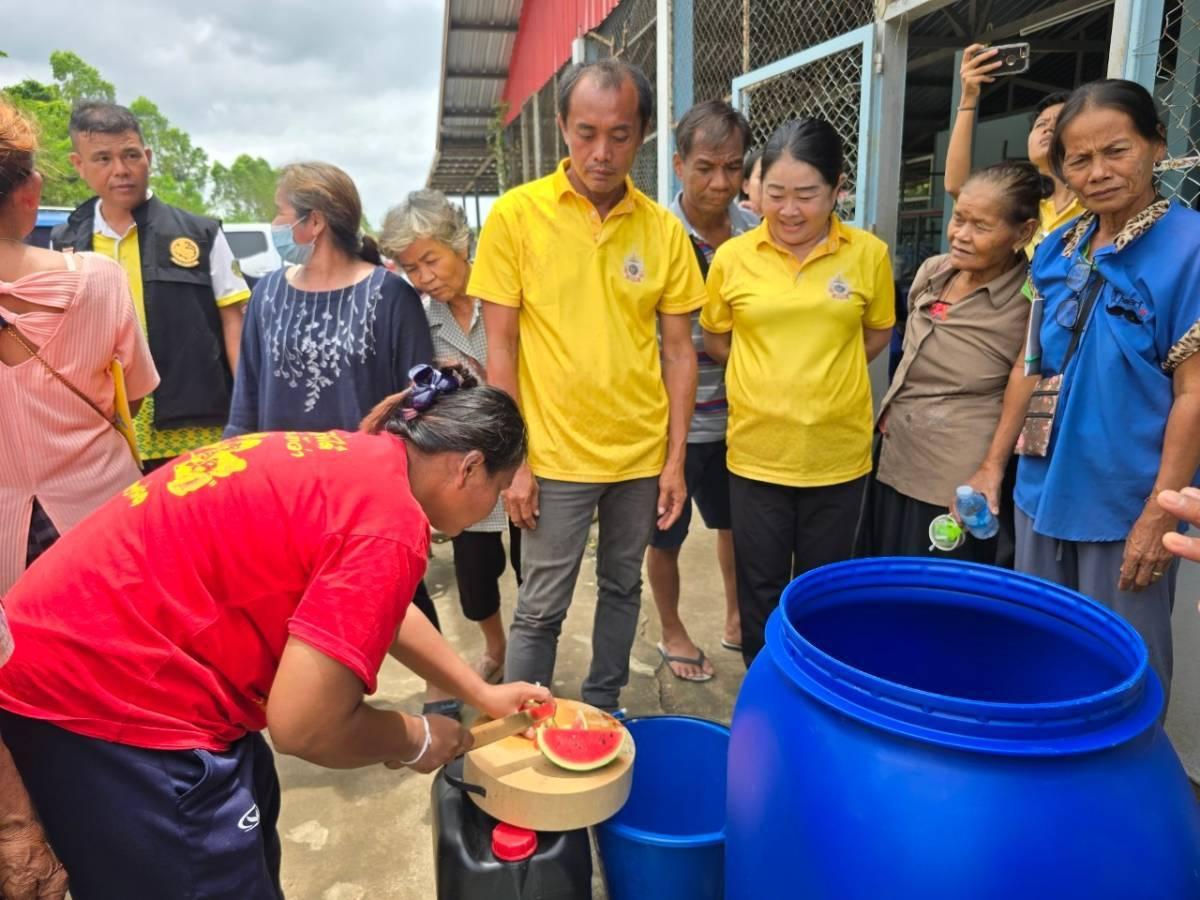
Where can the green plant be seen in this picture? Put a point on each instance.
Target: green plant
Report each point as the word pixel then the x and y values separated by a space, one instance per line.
pixel 499 146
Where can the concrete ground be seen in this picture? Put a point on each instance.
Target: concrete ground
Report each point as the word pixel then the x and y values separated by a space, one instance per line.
pixel 354 835
pixel 366 835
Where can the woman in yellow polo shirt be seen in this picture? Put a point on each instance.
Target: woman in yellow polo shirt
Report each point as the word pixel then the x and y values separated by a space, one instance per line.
pixel 796 307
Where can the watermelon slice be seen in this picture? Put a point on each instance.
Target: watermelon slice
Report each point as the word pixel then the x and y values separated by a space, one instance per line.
pixel 541 712
pixel 578 749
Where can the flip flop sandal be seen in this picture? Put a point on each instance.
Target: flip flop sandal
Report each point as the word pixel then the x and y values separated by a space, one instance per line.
pixel 730 645
pixel 451 709
pixel 697 661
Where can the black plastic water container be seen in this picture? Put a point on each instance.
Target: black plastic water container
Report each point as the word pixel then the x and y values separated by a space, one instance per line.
pixel 478 858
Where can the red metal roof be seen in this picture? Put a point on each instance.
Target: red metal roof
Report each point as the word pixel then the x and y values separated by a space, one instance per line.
pixel 543 43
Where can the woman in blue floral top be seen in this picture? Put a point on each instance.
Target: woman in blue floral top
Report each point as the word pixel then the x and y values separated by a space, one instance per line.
pixel 331 333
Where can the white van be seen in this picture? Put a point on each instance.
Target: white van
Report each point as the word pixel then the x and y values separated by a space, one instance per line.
pixel 252 245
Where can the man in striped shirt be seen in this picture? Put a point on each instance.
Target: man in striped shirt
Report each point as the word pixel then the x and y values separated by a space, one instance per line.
pixel 710 140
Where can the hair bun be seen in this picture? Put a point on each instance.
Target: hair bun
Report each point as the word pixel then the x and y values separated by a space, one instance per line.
pixel 1047 186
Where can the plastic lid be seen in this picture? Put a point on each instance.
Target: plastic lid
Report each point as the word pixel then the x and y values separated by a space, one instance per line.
pixel 945 533
pixel 964 491
pixel 513 844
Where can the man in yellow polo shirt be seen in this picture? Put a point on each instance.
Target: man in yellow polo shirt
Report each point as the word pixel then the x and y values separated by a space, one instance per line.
pixel 576 269
pixel 186 284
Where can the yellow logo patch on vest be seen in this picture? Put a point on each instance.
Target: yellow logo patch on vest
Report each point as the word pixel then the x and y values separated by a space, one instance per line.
pixel 236 268
pixel 185 252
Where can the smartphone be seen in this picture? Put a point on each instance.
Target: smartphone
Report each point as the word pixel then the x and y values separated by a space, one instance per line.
pixel 1013 59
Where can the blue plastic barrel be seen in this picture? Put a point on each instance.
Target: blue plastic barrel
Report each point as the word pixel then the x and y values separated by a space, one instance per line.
pixel 668 840
pixel 942 730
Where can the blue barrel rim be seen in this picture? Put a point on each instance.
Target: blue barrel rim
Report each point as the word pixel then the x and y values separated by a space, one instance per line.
pixel 654 838
pixel 1079 725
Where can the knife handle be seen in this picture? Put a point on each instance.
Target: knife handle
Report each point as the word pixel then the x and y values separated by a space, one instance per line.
pixel 498 729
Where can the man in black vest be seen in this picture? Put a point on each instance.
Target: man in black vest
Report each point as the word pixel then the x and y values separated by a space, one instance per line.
pixel 186 284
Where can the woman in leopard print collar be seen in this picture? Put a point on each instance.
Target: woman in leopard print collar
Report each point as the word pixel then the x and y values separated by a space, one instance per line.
pixel 1117 316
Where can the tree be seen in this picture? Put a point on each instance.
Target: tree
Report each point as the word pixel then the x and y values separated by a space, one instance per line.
pixel 45 106
pixel 244 191
pixel 179 173
pixel 77 80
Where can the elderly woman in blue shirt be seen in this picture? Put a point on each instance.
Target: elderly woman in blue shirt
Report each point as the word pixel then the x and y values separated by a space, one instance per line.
pixel 1116 314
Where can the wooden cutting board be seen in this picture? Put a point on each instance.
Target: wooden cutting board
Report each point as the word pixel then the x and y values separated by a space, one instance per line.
pixel 525 789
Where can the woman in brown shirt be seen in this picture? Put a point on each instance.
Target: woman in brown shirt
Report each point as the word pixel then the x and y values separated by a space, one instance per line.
pixel 966 328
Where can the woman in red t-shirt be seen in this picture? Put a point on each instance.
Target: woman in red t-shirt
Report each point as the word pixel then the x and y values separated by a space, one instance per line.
pixel 256 583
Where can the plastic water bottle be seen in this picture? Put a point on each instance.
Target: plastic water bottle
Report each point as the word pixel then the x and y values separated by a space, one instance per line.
pixel 976 516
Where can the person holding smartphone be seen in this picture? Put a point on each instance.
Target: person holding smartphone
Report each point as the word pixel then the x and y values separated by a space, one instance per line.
pixel 983 65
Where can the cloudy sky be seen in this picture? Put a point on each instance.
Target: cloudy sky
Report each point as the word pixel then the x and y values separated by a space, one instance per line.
pixel 353 82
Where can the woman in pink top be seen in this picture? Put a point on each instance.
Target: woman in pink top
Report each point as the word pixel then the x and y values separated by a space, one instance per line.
pixel 60 459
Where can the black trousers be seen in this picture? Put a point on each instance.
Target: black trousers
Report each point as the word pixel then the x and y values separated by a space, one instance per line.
pixel 478 565
pixel 165 824
pixel 898 525
pixel 423 602
pixel 780 532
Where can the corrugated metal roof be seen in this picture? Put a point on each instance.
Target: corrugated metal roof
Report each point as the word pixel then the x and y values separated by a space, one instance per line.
pixel 477 45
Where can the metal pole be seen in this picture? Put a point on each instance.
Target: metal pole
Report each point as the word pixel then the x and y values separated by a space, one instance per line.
pixel 537 135
pixel 1133 50
pixel 882 214
pixel 947 200
pixel 478 217
pixel 745 36
pixel 664 144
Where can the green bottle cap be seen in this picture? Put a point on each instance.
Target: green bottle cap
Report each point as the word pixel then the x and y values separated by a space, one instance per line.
pixel 945 533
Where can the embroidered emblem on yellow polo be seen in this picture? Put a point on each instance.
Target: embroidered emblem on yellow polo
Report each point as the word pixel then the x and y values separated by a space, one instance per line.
pixel 185 252
pixel 633 268
pixel 839 288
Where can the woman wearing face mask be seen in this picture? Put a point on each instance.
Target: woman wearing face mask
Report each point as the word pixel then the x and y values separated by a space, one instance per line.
pixel 333 332
pixel 966 329
pixel 430 241
pixel 797 308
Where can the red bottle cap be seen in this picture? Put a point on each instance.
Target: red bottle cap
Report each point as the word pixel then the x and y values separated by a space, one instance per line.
pixel 513 844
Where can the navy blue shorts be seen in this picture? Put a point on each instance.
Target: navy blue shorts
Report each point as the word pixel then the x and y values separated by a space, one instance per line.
pixel 165 824
pixel 707 479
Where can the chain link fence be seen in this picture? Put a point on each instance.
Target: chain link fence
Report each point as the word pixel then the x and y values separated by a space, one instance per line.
pixel 733 37
pixel 828 88
pixel 1177 87
pixel 631 33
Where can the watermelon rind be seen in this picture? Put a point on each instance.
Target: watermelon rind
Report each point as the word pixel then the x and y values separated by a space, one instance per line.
pixel 604 746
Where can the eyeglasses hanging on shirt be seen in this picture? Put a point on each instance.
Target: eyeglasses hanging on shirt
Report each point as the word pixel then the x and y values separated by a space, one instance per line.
pixel 1068 313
